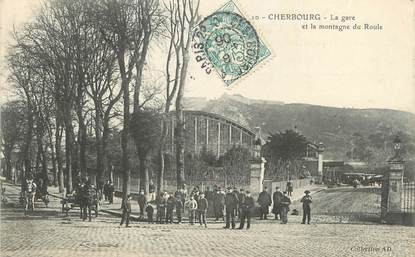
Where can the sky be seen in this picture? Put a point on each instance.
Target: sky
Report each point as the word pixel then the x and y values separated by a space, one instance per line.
pixel 352 69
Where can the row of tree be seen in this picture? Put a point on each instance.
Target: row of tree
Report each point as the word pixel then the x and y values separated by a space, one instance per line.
pixel 85 63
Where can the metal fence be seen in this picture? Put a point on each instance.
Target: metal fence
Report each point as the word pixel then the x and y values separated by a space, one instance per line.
pixel 408 197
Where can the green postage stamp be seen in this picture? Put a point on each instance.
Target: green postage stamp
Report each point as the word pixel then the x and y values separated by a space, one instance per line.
pixel 230 43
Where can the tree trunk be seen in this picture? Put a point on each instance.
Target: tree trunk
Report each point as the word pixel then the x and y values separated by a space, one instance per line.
pixel 68 152
pixel 164 132
pixel 26 151
pixel 58 145
pixel 124 138
pixel 180 149
pixel 143 170
pixel 160 175
pixel 41 154
pixel 54 167
pixel 44 167
pixel 8 158
pixel 82 145
pixel 180 133
pixel 99 147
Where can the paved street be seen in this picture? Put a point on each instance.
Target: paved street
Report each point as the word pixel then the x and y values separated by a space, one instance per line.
pixel 47 232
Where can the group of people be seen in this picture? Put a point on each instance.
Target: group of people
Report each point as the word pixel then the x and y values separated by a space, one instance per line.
pixel 228 206
pixel 197 203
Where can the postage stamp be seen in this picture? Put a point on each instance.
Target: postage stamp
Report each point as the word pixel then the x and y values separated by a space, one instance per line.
pixel 230 43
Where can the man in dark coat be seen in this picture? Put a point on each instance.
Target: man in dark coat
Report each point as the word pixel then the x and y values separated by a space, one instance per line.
pixel 306 200
pixel 290 188
pixel 161 209
pixel 231 203
pixel 171 203
pixel 209 197
pixel 241 199
pixel 276 198
pixel 264 200
pixel 246 209
pixel 126 211
pixel 202 207
pixel 142 203
pixel 285 207
pixel 87 200
pixel 219 204
pixel 106 190
pixel 111 192
pixel 179 209
pixel 150 212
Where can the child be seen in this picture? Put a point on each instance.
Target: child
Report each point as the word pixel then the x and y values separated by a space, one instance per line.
pixel 150 211
pixel 192 205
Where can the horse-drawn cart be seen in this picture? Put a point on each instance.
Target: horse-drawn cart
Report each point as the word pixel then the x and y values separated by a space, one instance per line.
pixel 88 201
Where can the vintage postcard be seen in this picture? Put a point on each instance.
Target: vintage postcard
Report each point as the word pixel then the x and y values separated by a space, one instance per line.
pixel 207 128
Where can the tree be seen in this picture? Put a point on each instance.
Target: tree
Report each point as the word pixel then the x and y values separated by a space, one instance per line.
pixel 12 131
pixel 183 17
pixel 236 165
pixel 283 152
pixel 145 130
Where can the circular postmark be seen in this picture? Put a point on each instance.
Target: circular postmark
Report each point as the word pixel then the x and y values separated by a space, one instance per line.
pixel 230 43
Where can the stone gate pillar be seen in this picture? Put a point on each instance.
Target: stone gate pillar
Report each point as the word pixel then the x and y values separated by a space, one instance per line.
pixel 257 175
pixel 391 190
pixel 257 168
pixel 320 150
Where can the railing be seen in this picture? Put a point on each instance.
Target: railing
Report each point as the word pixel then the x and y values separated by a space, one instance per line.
pixel 408 197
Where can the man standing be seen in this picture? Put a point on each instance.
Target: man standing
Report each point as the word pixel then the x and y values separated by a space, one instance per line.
pixel 142 203
pixel 264 200
pixel 241 199
pixel 152 191
pixel 170 207
pixel 192 206
pixel 276 197
pixel 202 207
pixel 231 203
pixel 111 192
pixel 161 209
pixel 306 200
pixel 285 207
pixel 246 209
pixel 106 190
pixel 87 199
pixel 126 210
pixel 209 197
pixel 179 209
pixel 219 204
pixel 290 188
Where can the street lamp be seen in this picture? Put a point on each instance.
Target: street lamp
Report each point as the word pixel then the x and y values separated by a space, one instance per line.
pixel 397 148
pixel 321 147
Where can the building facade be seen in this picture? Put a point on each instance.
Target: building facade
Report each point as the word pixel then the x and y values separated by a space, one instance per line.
pixel 210 132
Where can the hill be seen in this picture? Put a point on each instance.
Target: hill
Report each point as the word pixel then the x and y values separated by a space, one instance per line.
pixel 333 126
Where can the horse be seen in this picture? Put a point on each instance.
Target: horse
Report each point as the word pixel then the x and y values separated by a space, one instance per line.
pixel 28 195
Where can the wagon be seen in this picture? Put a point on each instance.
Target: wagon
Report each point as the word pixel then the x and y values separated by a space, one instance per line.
pixel 73 201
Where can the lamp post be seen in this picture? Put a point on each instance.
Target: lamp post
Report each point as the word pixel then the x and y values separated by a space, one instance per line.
pixel 257 167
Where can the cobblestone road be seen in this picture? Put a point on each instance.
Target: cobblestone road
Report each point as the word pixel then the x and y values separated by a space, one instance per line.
pixel 47 232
